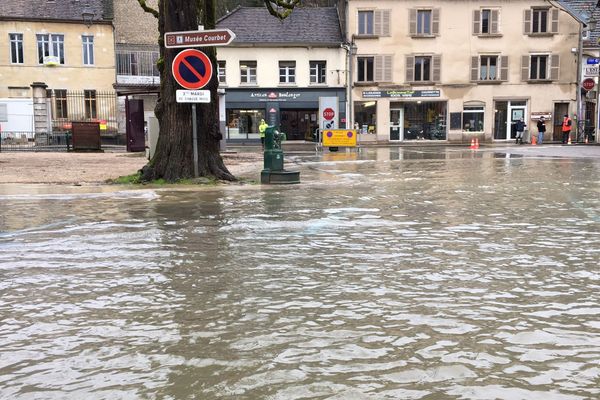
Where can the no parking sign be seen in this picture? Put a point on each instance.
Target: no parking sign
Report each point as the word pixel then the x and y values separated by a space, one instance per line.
pixel 192 69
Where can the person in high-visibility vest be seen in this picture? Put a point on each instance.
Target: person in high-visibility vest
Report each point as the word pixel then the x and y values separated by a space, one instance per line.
pixel 261 132
pixel 566 129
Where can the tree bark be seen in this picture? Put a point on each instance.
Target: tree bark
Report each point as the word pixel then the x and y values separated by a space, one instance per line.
pixel 173 159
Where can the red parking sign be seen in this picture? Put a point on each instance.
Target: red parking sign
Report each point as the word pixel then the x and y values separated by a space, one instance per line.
pixel 192 69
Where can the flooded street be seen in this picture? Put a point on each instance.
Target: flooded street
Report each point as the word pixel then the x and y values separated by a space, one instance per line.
pixel 392 273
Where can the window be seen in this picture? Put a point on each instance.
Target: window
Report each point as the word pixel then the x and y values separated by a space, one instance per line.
pixel 89 98
pixel 538 68
pixel 473 118
pixel 489 68
pixel 365 23
pixel 3 112
pixel 485 21
pixel 60 103
pixel 248 71
pixel 16 48
pixel 287 71
pixel 541 21
pixel 486 16
pixel 221 71
pixel 317 71
pixel 243 123
pixel 88 49
pixel 422 69
pixel 51 49
pixel 365 69
pixel 424 22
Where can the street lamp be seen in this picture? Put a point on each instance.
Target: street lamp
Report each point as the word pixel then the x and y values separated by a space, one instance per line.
pixel 88 14
pixel 351 49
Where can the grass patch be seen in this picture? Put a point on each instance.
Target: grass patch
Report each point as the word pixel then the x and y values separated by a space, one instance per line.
pixel 133 179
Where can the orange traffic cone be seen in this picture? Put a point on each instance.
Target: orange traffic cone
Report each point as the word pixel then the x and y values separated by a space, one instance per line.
pixel 476 143
pixel 569 142
pixel 472 147
pixel 533 140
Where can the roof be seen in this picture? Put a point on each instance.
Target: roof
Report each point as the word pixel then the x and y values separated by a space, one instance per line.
pixel 59 10
pixel 585 10
pixel 305 25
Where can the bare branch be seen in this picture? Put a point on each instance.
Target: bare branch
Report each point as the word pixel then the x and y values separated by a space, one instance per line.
pixel 284 7
pixel 147 8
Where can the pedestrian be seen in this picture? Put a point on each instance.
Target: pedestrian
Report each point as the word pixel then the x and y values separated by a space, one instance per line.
pixel 261 132
pixel 541 127
pixel 520 127
pixel 566 129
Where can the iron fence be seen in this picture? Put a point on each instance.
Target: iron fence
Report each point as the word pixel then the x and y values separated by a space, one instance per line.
pixel 29 141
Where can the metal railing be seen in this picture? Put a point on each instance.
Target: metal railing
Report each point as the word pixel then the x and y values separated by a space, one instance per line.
pixel 137 63
pixel 29 141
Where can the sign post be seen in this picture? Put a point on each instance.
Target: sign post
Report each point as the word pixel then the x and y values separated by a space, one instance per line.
pixel 215 37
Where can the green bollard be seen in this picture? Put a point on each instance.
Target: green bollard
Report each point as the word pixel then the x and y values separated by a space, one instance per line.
pixel 273 171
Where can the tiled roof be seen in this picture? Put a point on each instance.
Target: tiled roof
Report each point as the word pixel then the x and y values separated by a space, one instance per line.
pixel 63 10
pixel 310 25
pixel 586 10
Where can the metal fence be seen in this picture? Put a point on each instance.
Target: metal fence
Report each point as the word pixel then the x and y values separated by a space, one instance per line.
pixel 29 141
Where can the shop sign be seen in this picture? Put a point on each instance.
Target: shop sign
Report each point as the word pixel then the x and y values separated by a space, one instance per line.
pixel 374 94
pixel 593 61
pixel 590 71
pixel 278 96
pixel 537 115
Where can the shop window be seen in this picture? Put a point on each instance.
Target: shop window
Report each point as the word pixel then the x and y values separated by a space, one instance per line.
pixel 365 69
pixel 221 71
pixel 248 72
pixel 243 123
pixel 318 72
pixel 16 48
pixel 540 67
pixel 287 72
pixel 485 21
pixel 365 116
pixel 473 118
pixel 425 120
pixel 424 23
pixel 51 49
pixel 540 21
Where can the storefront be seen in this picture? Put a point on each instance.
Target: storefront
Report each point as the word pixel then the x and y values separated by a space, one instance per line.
pixel 413 114
pixel 294 111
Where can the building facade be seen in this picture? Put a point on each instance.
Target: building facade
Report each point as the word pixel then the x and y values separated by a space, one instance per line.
pixel 64 47
pixel 457 70
pixel 282 71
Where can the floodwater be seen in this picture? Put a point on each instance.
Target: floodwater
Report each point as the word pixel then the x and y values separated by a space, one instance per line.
pixel 391 273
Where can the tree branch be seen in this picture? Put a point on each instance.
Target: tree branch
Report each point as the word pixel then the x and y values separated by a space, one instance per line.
pixel 284 7
pixel 147 8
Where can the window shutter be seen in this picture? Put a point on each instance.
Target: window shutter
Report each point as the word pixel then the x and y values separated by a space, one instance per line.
pixel 437 66
pixel 476 22
pixel 377 22
pixel 385 22
pixel 412 23
pixel 387 68
pixel 527 22
pixel 435 21
pixel 504 68
pixel 474 68
pixel 410 68
pixel 524 68
pixel 379 68
pixel 554 67
pixel 554 24
pixel 494 24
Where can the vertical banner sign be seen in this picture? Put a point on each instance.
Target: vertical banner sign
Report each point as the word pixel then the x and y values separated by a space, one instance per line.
pixel 328 113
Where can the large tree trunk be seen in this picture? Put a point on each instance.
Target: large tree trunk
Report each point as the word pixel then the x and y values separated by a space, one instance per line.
pixel 173 159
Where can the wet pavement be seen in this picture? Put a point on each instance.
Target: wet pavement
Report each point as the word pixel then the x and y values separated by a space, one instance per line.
pixel 388 273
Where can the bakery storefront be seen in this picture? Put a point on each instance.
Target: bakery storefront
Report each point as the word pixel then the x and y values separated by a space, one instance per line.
pixel 413 114
pixel 294 111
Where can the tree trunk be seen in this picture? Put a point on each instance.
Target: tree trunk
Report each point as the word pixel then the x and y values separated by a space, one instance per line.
pixel 173 159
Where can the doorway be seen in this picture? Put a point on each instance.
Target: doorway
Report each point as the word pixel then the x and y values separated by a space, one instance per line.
pixel 396 124
pixel 299 124
pixel 560 110
pixel 507 113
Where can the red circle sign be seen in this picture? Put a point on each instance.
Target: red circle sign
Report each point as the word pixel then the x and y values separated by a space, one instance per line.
pixel 192 69
pixel 588 84
pixel 328 114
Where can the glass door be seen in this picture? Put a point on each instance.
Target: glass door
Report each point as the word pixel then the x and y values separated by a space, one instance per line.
pixel 396 124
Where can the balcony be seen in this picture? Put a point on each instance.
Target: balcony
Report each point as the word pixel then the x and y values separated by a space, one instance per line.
pixel 137 68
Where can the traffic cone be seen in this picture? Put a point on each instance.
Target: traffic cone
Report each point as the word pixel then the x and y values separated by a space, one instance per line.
pixel 533 140
pixel 472 147
pixel 476 143
pixel 569 142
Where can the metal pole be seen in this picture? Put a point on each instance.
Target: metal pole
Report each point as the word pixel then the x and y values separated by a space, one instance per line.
pixel 578 86
pixel 195 139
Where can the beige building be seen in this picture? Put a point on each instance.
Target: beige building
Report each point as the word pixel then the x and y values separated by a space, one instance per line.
pixel 454 70
pixel 64 47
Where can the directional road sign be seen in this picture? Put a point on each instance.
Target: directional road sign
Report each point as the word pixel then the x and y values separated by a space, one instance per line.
pixel 215 37
pixel 192 69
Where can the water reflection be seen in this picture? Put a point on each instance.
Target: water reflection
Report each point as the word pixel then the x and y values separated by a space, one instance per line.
pixel 389 273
